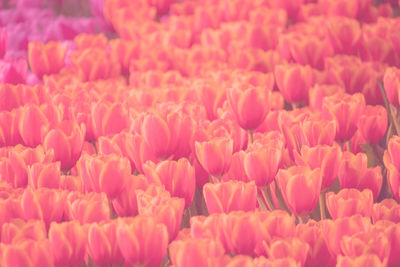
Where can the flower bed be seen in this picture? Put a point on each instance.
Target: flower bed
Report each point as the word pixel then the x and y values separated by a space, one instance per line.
pixel 199 133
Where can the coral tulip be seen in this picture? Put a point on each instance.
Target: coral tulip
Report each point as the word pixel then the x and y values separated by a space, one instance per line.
pixel 46 59
pixel 373 123
pixel 348 202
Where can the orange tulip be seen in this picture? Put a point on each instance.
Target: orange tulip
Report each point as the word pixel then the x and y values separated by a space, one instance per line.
pixel 373 123
pixel 391 82
pixel 344 35
pixel 300 187
pixel 388 210
pixel 293 248
pixel 108 118
pixel 45 175
pixel 363 260
pixel 17 231
pixel 46 59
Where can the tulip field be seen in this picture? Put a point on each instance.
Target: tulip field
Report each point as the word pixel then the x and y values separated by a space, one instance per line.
pixel 200 133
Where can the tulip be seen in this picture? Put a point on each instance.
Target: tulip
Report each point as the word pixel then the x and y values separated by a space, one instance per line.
pixel 317 132
pixel 327 158
pixel 43 204
pixel 294 82
pixel 125 204
pixel 288 248
pixel 346 110
pixel 195 252
pixel 300 187
pixel 27 253
pixel 104 173
pixel 66 141
pixel 318 92
pixel 215 155
pixel 344 35
pixel 230 196
pixel 46 59
pixel 349 202
pixel 157 203
pixel 13 71
pixel 334 230
pixel 44 175
pixel 108 118
pixel 373 123
pixel 88 208
pixel 68 243
pixel 178 177
pixel 142 241
pixel 17 231
pixel 388 210
pixel 363 260
pixel 102 244
pixel 250 105
pixel 391 82
pixel 32 124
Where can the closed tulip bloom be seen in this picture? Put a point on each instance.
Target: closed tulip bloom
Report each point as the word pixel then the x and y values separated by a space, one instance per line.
pixel 327 158
pixel 391 82
pixel 46 59
pixel 102 244
pixel 344 34
pixel 66 140
pixel 68 243
pixel 373 123
pixel 294 248
pixel 195 252
pixel 334 230
pixel 45 175
pixel 88 208
pixel 104 173
pixel 157 203
pixel 17 231
pixel 300 187
pixel 250 106
pixel 27 253
pixel 230 196
pixel 346 110
pixel 215 155
pixel 354 173
pixel 43 204
pixel 318 132
pixel 108 118
pixel 178 177
pixel 349 202
pixel 294 81
pixel 142 241
pixel 262 159
pixel 32 124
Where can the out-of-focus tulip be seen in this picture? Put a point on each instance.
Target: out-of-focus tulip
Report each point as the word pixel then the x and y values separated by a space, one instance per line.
pixel 104 173
pixel 18 230
pixel 318 92
pixel 294 82
pixel 300 187
pixel 353 173
pixel 157 203
pixel 66 140
pixel 344 35
pixel 102 244
pixel 13 71
pixel 45 175
pixel 178 177
pixel 108 118
pixel 195 252
pixel 317 132
pixel 230 196
pixel 388 210
pixel 142 241
pixel 215 155
pixel 46 59
pixel 349 202
pixel 68 243
pixel 3 41
pixel 373 123
pixel 346 110
pixel 327 158
pixel 294 248
pixel 32 124
pixel 391 82
pixel 251 105
pixel 89 208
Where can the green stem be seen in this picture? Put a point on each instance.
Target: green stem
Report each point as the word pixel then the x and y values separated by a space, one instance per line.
pixel 261 203
pixel 266 192
pixel 251 137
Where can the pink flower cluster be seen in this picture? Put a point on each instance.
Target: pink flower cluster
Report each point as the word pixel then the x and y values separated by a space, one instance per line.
pixel 199 133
